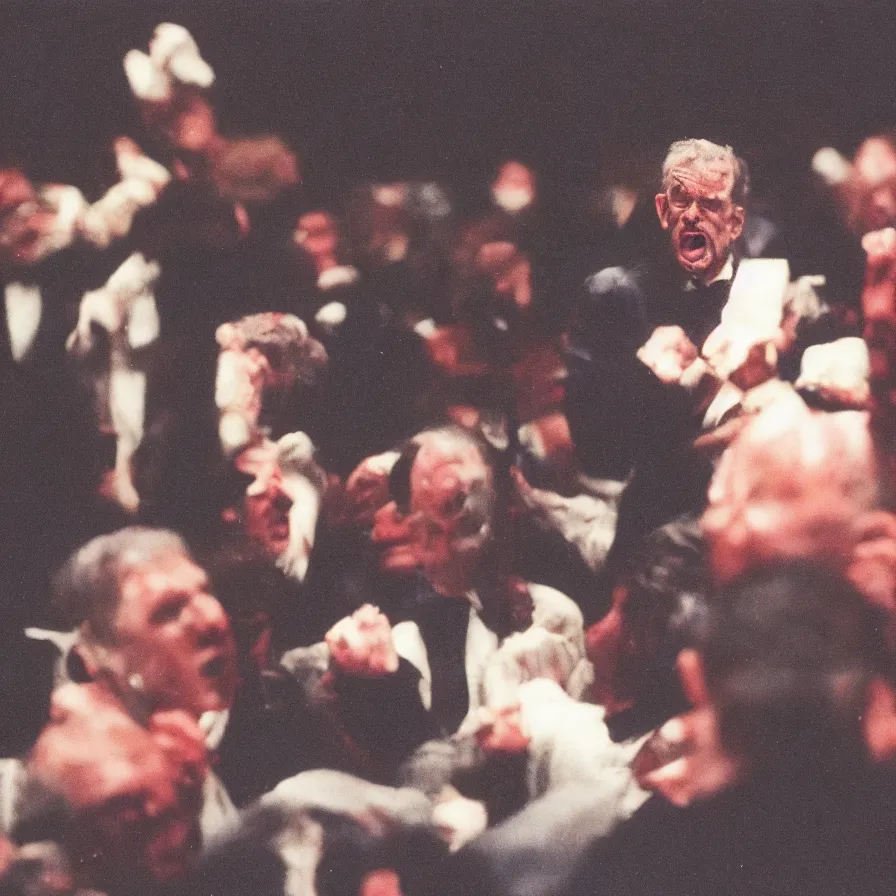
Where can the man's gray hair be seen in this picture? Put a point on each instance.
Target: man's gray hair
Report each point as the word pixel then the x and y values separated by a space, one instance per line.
pixel 88 588
pixel 282 338
pixel 699 153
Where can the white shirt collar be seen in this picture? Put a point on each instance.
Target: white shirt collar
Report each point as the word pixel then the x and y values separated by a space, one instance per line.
pixel 727 273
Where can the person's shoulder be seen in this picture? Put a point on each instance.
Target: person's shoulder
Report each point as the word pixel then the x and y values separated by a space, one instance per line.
pixel 611 310
pixel 550 604
pixel 639 857
pixel 617 280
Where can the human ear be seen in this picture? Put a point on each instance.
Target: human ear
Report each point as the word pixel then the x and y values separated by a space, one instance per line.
pixel 693 679
pixel 737 221
pixel 91 656
pixel 872 566
pixel 662 209
pixel 879 720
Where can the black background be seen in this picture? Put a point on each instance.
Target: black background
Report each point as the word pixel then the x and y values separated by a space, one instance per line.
pixel 444 88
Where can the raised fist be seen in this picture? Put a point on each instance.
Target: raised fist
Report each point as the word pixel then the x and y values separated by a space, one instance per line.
pixel 742 356
pixel 668 353
pixel 501 730
pixel 361 644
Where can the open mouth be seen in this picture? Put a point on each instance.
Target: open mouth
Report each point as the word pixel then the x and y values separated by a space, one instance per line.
pixel 692 245
pixel 214 668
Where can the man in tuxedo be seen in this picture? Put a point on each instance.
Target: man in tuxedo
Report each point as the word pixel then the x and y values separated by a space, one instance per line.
pixel 634 395
pixel 47 459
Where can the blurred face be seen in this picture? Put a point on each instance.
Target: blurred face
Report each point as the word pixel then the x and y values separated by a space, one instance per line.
pixel 139 819
pixel 316 233
pixel 449 486
pixel 190 123
pixel 23 219
pixel 392 533
pixel 702 220
pixel 280 512
pixel 782 498
pixel 136 791
pixel 874 186
pixel 514 187
pixel 175 636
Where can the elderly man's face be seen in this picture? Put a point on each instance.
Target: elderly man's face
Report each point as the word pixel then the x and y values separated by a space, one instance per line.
pixel 781 494
pixel 280 510
pixel 701 217
pixel 175 636
pixel 450 483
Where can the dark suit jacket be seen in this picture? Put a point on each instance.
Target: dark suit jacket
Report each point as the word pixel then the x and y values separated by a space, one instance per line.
pixel 621 416
pixel 49 452
pixel 824 835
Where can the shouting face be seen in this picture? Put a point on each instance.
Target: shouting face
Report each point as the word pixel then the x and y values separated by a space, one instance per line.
pixel 174 635
pixel 702 219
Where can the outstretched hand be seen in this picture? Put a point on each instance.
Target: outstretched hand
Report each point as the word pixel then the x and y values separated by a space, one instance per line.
pixel 668 353
pixel 361 644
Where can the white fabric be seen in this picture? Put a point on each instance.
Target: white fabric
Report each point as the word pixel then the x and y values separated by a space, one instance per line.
pixel 758 292
pixel 843 364
pixel 24 310
pixel 12 777
pixel 551 610
pixel 217 812
pixel 570 744
pixel 481 645
pixel 727 273
pixel 341 275
pixel 303 514
pixel 126 308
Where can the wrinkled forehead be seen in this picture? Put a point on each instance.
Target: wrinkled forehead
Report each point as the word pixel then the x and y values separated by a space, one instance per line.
pixel 710 179
pixel 445 473
pixel 151 580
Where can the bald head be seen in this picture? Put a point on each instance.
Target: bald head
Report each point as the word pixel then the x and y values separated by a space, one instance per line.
pixel 793 485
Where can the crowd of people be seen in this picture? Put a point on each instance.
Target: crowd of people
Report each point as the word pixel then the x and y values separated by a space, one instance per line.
pixel 387 549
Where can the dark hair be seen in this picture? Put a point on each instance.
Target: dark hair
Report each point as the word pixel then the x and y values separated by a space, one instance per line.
pixel 350 852
pixel 400 477
pixel 787 652
pixel 88 588
pixel 667 586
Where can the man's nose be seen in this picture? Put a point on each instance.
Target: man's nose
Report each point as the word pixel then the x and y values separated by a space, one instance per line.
pixel 692 213
pixel 209 617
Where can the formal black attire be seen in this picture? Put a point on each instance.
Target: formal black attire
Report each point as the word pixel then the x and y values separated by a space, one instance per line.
pixel 622 418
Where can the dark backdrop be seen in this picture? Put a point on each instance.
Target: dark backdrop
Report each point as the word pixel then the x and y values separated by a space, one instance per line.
pixel 367 88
